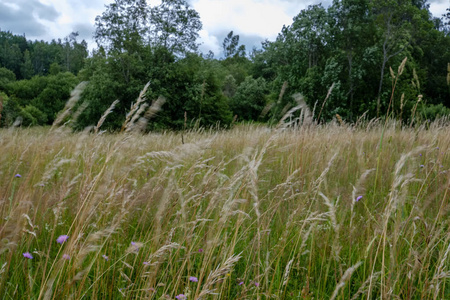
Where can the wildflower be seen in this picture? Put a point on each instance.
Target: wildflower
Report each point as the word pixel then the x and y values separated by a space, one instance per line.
pixel 180 296
pixel 62 238
pixel 18 175
pixel 256 283
pixel 358 198
pixel 136 246
pixel 105 257
pixel 228 274
pixel 28 255
pixel 200 250
pixel 146 263
pixel 241 283
pixel 66 256
pixel 420 154
pixel 421 166
pixel 193 279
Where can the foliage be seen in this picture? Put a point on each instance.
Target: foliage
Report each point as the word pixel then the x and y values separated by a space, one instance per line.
pixel 348 44
pixel 249 99
pixel 343 59
pixel 32 116
pixel 231 46
pixel 432 112
pixel 27 58
pixel 6 76
pixel 126 25
pixel 38 99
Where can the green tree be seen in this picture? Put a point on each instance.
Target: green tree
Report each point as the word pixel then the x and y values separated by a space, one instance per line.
pixel 74 53
pixel 250 99
pixel 122 26
pixel 231 46
pixel 6 76
pixel 27 69
pixel 127 25
pixel 175 26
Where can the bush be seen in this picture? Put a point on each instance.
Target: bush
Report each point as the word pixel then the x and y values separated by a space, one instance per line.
pixel 10 112
pixel 6 76
pixel 33 116
pixel 250 99
pixel 432 112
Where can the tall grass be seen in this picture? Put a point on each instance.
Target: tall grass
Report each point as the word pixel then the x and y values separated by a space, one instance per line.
pixel 249 213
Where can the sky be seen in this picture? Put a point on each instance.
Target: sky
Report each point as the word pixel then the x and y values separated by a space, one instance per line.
pixel 253 20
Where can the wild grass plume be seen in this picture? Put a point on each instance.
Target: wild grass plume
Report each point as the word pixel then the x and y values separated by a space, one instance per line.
pixel 248 213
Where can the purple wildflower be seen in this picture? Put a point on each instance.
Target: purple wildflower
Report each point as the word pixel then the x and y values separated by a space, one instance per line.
pixel 66 256
pixel 146 263
pixel 241 283
pixel 105 257
pixel 193 279
pixel 358 198
pixel 62 238
pixel 18 175
pixel 180 296
pixel 136 246
pixel 421 166
pixel 200 250
pixel 256 283
pixel 28 255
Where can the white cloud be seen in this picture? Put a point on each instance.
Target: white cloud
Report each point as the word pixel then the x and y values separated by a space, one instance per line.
pixel 262 18
pixel 208 42
pixel 437 8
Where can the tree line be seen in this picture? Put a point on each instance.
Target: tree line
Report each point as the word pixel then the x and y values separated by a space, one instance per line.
pixel 344 60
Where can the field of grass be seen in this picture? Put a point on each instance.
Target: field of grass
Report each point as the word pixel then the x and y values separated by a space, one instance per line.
pixel 319 212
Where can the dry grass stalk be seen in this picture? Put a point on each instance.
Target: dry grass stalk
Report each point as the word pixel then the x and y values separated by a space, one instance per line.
pixel 348 273
pixel 330 90
pixel 217 275
pixel 75 96
pixel 105 114
pixel 151 112
pixel 135 107
pixel 282 91
pixel 150 190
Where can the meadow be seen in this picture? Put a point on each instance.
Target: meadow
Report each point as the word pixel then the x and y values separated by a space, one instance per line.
pixel 333 211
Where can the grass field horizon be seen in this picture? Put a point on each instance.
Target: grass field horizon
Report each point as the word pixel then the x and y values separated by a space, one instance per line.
pixel 316 212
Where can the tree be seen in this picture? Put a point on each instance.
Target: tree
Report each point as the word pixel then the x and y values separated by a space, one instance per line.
pixel 352 34
pixel 250 99
pixel 127 25
pixel 231 46
pixel 27 69
pixel 6 76
pixel 393 20
pixel 74 53
pixel 122 26
pixel 175 26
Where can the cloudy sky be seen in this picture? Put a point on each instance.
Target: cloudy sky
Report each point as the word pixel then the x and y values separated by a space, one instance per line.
pixel 253 20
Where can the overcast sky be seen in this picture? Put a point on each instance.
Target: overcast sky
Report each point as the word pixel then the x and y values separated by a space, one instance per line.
pixel 253 20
